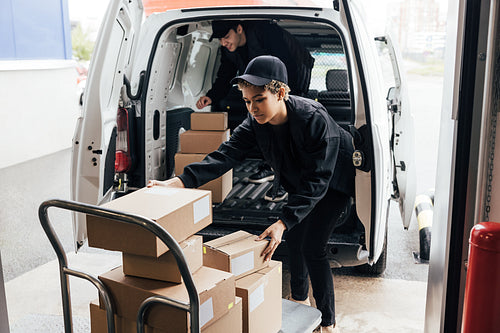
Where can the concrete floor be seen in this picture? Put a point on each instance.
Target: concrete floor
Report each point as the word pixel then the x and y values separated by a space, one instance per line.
pixel 363 304
pixel 393 302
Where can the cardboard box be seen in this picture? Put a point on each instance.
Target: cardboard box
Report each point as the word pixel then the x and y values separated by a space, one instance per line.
pixel 261 294
pixel 182 212
pixel 216 291
pixel 202 141
pixel 165 267
pixel 237 253
pixel 219 187
pixel 98 322
pixel 209 121
pixel 231 322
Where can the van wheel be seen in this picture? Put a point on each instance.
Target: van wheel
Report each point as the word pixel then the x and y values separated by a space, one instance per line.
pixel 378 267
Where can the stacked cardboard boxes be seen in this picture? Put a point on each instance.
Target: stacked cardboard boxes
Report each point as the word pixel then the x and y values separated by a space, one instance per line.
pixel 258 282
pixel 238 291
pixel 149 268
pixel 208 131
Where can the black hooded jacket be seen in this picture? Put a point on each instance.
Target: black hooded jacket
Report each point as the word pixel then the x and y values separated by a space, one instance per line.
pixel 264 38
pixel 310 154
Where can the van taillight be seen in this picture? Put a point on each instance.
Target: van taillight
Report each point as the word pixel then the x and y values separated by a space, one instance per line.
pixel 122 154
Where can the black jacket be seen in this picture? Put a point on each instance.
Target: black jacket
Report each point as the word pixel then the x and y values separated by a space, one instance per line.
pixel 264 38
pixel 319 157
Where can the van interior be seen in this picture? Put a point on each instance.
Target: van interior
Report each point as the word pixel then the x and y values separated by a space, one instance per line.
pixel 181 67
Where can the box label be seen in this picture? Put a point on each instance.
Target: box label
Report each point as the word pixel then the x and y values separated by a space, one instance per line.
pixel 256 298
pixel 206 312
pixel 161 190
pixel 243 263
pixel 201 209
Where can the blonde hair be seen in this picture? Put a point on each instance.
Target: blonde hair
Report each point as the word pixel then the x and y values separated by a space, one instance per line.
pixel 273 87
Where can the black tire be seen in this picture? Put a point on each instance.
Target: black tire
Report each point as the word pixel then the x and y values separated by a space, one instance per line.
pixel 378 267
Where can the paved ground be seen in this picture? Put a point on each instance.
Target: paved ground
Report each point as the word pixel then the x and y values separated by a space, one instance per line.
pixel 394 302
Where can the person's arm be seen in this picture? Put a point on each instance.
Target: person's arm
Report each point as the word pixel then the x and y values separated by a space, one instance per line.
pixel 172 182
pixel 318 160
pixel 229 154
pixel 225 74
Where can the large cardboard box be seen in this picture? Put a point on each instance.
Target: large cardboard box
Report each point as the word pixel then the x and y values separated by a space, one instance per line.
pixel 238 253
pixel 209 121
pixel 261 293
pixel 219 187
pixel 202 141
pixel 98 322
pixel 165 267
pixel 182 212
pixel 216 291
pixel 231 322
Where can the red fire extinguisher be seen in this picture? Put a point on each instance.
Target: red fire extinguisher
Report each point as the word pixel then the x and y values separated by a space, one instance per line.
pixel 482 288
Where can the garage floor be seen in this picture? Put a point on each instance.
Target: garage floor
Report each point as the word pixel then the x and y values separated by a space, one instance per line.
pixel 364 304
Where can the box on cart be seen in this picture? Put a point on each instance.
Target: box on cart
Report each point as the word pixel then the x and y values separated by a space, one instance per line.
pixel 165 267
pixel 216 290
pixel 238 253
pixel 261 294
pixel 182 212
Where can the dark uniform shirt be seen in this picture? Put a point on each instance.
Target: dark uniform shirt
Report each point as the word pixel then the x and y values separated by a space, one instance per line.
pixel 264 38
pixel 311 154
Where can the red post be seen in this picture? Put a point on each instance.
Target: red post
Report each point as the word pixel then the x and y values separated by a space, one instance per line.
pixel 482 288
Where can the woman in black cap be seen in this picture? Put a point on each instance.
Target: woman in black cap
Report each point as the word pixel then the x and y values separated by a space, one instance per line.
pixel 311 156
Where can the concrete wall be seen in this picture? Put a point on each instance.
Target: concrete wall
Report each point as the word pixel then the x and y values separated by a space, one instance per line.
pixel 39 108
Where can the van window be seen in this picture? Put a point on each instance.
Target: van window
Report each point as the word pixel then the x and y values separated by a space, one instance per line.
pixel 325 60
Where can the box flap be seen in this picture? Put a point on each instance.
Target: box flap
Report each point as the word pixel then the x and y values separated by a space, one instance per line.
pixel 204 280
pixel 236 242
pixel 155 202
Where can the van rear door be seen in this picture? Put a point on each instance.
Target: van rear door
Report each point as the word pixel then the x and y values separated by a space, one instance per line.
pixel 403 134
pixel 93 153
pixel 372 139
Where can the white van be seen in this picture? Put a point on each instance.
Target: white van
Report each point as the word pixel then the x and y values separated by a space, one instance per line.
pixel 146 75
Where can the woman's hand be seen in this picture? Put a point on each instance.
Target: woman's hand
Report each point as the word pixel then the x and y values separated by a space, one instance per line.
pixel 275 232
pixel 172 182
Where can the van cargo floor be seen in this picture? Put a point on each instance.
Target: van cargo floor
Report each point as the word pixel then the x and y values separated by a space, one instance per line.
pixel 246 209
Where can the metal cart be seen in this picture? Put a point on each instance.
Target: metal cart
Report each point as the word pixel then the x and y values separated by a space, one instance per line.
pixel 296 318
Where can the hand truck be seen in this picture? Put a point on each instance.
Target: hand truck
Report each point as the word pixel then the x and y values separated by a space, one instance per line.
pixel 296 318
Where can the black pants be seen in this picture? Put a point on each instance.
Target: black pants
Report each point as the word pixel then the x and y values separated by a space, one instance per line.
pixel 306 243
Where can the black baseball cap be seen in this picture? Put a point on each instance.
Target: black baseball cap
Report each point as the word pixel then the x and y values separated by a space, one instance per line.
pixel 263 69
pixel 221 28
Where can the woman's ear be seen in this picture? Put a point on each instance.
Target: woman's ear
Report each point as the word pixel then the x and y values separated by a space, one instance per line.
pixel 281 93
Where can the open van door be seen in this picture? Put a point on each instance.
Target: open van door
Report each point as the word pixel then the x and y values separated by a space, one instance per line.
pixel 402 136
pixel 94 142
pixel 384 139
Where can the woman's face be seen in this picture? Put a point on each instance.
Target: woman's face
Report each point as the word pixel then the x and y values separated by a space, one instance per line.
pixel 264 106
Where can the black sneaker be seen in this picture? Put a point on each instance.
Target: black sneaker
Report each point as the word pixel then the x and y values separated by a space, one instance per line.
pixel 264 174
pixel 280 195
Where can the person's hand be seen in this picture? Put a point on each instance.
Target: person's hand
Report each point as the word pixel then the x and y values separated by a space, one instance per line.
pixel 203 101
pixel 275 232
pixel 172 182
